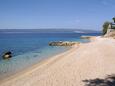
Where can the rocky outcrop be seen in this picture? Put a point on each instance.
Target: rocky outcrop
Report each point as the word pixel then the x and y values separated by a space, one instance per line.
pixel 60 43
pixel 85 37
pixel 110 33
pixel 7 55
pixel 88 38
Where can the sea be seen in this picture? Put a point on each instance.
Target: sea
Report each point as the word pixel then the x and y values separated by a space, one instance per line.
pixel 30 46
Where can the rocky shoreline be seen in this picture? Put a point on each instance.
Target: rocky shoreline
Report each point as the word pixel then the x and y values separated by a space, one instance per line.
pixel 63 43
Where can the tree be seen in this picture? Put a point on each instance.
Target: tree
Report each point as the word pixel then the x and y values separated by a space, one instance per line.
pixel 105 27
pixel 114 19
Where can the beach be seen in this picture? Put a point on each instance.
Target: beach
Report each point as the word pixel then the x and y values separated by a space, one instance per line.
pixel 92 60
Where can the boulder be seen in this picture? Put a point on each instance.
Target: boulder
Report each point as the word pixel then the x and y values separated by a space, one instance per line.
pixel 86 37
pixel 7 55
pixel 110 33
pixel 60 43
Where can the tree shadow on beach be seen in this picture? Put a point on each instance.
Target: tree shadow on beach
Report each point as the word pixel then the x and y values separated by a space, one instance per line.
pixel 107 81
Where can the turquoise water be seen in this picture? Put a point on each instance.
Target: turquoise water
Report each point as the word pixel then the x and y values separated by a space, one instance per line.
pixel 30 48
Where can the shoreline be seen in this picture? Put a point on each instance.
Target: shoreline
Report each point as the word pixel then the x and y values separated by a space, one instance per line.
pixel 87 61
pixel 3 78
pixel 43 62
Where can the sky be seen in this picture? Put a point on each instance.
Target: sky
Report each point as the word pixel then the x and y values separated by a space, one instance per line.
pixel 36 14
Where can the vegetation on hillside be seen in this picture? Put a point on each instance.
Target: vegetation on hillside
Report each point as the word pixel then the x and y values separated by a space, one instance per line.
pixel 105 27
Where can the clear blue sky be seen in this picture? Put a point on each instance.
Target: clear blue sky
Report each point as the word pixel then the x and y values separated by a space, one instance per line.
pixel 84 14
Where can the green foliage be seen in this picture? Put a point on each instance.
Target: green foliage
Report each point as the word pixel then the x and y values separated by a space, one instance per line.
pixel 105 27
pixel 114 19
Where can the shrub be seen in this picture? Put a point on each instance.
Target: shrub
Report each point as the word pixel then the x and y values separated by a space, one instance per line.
pixel 105 27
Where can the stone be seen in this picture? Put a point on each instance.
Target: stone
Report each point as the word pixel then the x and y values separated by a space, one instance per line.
pixel 85 37
pixel 110 33
pixel 7 55
pixel 60 43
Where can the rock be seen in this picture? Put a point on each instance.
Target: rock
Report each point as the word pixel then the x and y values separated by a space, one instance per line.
pixel 55 43
pixel 60 43
pixel 110 33
pixel 7 55
pixel 85 37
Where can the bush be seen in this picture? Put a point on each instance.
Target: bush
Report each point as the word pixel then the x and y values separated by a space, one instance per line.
pixel 105 27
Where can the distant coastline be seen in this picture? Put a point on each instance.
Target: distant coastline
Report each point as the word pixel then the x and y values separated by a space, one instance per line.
pixel 47 30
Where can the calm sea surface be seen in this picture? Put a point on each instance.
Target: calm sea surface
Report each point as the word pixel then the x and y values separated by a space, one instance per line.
pixel 29 48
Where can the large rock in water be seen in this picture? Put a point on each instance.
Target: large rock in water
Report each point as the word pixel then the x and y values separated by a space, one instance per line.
pixel 86 37
pixel 7 55
pixel 60 43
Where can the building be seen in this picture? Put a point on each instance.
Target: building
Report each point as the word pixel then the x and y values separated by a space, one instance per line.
pixel 112 25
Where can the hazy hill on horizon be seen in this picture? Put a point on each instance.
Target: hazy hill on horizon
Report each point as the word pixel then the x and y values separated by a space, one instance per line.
pixel 47 30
